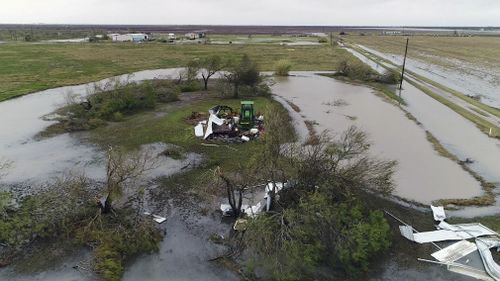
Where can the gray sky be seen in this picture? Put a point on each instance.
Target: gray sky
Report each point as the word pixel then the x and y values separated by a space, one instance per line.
pixel 255 12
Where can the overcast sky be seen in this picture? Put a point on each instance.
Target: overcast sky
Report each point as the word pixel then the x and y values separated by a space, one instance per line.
pixel 255 12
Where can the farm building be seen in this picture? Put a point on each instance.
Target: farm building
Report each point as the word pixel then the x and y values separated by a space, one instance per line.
pixel 195 35
pixel 130 37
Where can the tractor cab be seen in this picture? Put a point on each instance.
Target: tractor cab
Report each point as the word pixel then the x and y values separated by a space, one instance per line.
pixel 247 115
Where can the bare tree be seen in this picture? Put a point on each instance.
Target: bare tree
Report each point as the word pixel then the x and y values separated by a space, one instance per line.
pixel 123 169
pixel 235 187
pixel 209 66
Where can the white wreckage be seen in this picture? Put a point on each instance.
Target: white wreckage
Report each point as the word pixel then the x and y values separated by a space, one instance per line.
pixel 473 259
pixel 221 123
pixel 262 205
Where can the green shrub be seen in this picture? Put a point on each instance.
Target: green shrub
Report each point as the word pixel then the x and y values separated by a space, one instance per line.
pixel 318 232
pixel 282 67
pixel 356 70
pixel 389 77
pixel 190 86
pixel 323 40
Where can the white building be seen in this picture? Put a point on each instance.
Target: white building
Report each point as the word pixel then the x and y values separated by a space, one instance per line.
pixel 129 37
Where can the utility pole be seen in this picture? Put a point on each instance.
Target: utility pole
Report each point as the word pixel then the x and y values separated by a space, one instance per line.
pixel 403 70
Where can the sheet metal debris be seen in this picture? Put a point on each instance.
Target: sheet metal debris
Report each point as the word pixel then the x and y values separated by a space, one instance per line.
pixel 446 232
pixel 455 251
pixel 484 245
pixel 261 205
pixel 156 218
pixel 438 213
pixel 463 257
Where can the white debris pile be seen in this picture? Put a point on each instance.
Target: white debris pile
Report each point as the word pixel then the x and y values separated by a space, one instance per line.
pixel 224 124
pixel 473 259
pixel 262 205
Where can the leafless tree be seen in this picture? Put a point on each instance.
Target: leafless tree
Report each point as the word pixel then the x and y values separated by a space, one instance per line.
pixel 235 186
pixel 123 169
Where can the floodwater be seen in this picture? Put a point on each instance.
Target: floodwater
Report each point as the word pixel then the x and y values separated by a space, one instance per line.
pixel 422 175
pixel 38 160
pixel 460 136
pixel 467 78
pixel 185 251
pixel 183 255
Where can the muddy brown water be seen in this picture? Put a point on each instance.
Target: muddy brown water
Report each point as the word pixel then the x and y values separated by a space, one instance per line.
pixel 38 160
pixel 421 175
pixel 184 251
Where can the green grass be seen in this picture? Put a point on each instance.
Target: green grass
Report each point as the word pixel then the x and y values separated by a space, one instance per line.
pixel 172 128
pixel 26 68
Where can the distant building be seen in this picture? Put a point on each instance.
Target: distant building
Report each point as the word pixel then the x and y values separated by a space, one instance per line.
pixel 191 36
pixel 130 37
pixel 195 35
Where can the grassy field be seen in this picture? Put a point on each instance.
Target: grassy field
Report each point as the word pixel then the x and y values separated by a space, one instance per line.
pixel 444 51
pixel 26 68
pixel 172 128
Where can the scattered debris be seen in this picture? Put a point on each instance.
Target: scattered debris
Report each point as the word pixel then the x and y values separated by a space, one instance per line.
pixel 264 204
pixel 479 262
pixel 467 161
pixel 438 213
pixel 156 218
pixel 455 251
pixel 484 245
pixel 224 124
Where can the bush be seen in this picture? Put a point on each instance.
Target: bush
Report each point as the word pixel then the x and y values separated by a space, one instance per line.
pixel 323 40
pixel 190 86
pixel 389 77
pixel 282 67
pixel 356 70
pixel 318 232
pixel 113 105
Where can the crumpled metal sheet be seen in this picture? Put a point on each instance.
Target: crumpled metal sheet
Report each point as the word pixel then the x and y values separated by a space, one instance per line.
pixel 438 213
pixel 455 251
pixel 483 246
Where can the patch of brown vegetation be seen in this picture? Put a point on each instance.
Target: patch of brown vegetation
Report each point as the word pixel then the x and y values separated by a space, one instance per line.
pixel 295 107
pixel 313 138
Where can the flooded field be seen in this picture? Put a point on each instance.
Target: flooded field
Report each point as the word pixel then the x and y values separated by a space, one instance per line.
pixel 422 174
pixel 458 135
pixel 39 160
pixel 466 78
pixel 184 253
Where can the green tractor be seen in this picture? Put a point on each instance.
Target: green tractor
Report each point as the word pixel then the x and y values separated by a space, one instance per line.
pixel 247 115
